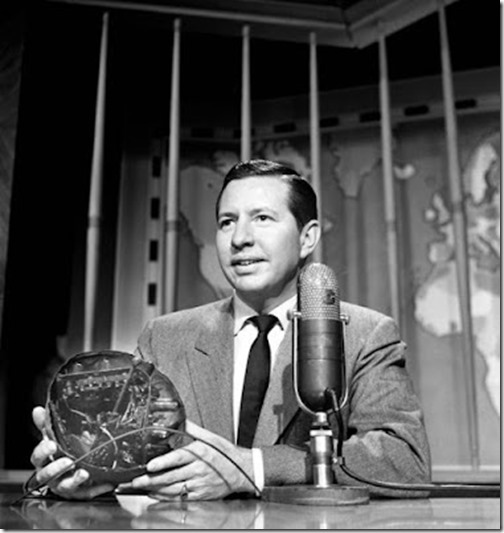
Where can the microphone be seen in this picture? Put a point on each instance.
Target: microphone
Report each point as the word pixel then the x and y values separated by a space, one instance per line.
pixel 320 344
pixel 319 382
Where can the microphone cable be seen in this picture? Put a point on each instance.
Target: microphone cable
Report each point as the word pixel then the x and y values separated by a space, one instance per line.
pixel 27 492
pixel 446 488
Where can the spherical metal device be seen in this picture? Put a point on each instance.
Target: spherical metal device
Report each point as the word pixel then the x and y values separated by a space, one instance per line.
pixel 113 412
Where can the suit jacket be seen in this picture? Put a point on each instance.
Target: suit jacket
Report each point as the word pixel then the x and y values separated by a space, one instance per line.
pixel 386 438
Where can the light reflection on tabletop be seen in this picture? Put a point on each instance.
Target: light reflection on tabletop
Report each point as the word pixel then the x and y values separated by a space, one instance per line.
pixel 128 511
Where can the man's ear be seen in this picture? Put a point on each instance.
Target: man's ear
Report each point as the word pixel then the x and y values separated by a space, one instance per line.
pixel 309 238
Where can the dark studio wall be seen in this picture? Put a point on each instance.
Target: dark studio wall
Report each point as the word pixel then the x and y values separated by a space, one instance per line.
pixel 11 51
pixel 46 247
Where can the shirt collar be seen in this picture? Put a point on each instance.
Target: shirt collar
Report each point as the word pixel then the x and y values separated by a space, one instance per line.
pixel 242 312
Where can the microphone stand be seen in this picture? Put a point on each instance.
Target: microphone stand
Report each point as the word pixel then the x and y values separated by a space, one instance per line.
pixel 324 491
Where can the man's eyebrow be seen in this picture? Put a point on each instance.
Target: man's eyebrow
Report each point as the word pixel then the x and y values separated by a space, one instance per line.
pixel 260 209
pixel 226 214
pixel 254 211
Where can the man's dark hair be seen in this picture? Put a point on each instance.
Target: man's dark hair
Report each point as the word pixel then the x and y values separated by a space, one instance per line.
pixel 302 201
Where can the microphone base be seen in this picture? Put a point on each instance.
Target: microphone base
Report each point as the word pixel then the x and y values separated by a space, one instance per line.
pixel 311 495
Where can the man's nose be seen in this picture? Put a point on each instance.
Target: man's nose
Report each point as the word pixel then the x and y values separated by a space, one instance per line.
pixel 242 234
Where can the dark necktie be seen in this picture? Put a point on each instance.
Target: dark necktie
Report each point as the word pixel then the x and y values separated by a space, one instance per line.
pixel 256 380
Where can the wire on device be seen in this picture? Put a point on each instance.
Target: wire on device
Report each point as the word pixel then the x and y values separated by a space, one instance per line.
pixel 29 491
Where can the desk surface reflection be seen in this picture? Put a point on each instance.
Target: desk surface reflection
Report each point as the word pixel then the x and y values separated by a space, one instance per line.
pixel 130 511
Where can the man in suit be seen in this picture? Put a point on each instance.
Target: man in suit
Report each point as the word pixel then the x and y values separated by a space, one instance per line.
pixel 267 227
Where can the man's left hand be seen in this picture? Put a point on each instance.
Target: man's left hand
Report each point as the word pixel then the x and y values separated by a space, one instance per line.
pixel 197 471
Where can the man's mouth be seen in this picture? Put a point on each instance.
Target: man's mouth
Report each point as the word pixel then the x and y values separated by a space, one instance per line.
pixel 245 262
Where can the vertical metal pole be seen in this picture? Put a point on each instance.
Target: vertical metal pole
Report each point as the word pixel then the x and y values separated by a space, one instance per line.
pixel 172 201
pixel 315 135
pixel 388 183
pixel 95 196
pixel 461 248
pixel 245 108
pixel 354 285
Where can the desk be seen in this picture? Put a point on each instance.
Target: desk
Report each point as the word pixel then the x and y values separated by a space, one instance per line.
pixel 128 511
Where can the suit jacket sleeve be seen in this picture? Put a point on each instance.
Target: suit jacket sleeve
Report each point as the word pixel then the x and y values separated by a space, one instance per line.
pixel 386 438
pixel 386 435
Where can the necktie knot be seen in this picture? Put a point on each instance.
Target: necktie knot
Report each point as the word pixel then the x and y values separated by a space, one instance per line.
pixel 264 323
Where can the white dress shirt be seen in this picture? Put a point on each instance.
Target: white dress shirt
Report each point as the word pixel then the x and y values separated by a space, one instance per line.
pixel 244 335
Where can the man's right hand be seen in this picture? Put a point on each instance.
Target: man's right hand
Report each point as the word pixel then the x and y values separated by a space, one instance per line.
pixel 72 485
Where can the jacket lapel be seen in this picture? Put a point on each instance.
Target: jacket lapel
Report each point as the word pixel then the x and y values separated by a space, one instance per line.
pixel 280 403
pixel 211 371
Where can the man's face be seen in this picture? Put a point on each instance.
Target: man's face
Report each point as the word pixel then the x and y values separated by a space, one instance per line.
pixel 258 242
